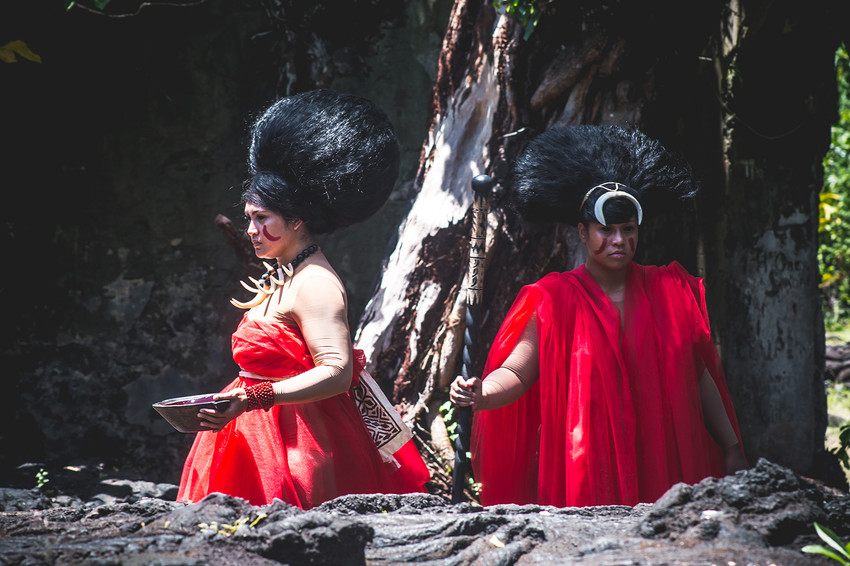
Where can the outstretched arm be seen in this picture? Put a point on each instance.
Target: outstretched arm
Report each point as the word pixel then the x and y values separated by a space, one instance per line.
pixel 505 384
pixel 718 424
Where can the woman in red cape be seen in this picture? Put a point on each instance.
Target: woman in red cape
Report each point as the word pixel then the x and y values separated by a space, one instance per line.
pixel 305 423
pixel 603 385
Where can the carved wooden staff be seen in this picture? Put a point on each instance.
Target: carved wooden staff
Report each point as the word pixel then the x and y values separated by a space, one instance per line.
pixel 481 185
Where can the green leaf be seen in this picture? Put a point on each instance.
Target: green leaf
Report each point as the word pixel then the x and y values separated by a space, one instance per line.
pixel 10 52
pixel 529 29
pixel 526 13
pixel 818 549
pixel 831 539
pixel 101 4
pixel 844 433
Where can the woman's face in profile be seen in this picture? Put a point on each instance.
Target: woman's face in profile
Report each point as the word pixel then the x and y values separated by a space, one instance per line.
pixel 271 235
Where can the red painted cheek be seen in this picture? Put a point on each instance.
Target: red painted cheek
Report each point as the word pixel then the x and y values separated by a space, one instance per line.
pixel 632 244
pixel 269 236
pixel 601 247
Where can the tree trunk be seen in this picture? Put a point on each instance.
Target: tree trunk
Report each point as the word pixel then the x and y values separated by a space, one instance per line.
pixel 778 77
pixel 754 237
pixel 409 329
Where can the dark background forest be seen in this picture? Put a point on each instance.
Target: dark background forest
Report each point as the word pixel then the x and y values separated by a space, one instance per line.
pixel 121 148
pixel 129 138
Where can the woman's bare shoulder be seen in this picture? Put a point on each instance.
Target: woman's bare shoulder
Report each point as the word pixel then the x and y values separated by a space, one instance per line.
pixel 318 274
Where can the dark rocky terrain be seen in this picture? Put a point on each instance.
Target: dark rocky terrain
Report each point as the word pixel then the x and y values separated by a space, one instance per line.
pixel 763 516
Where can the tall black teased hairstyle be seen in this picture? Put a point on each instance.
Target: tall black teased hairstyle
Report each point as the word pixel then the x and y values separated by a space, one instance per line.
pixel 327 158
pixel 557 168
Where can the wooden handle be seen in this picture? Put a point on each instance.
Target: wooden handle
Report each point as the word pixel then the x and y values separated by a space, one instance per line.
pixel 481 185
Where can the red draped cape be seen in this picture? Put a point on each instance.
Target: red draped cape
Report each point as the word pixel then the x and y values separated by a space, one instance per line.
pixel 305 453
pixel 615 416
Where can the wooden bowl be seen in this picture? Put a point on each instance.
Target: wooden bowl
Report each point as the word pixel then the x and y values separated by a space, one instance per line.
pixel 182 412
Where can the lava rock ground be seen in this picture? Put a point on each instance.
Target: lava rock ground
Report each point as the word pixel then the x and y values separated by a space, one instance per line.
pixel 763 516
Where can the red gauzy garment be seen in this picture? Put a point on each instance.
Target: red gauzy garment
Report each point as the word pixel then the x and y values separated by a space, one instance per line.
pixel 304 454
pixel 615 417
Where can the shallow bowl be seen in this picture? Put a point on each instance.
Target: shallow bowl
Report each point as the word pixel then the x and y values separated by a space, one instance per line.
pixel 182 412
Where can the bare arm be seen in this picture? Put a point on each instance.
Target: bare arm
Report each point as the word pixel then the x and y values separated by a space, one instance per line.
pixel 718 424
pixel 319 308
pixel 320 311
pixel 507 383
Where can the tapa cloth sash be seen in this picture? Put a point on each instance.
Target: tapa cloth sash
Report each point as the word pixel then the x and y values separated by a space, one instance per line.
pixel 383 422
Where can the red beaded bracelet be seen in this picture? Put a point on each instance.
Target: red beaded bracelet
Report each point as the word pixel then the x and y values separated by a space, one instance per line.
pixel 260 396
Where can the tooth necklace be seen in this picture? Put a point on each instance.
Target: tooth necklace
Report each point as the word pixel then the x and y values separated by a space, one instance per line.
pixel 271 279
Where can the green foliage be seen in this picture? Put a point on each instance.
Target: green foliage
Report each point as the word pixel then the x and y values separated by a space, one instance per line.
pixel 838 551
pixel 42 483
pixel 843 449
pixel 838 437
pixel 447 411
pixel 98 4
pixel 525 12
pixel 227 530
pixel 837 440
pixel 834 231
pixel 41 479
pixel 10 52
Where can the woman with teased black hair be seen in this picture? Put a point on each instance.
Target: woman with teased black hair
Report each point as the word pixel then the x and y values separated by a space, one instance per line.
pixel 306 423
pixel 603 385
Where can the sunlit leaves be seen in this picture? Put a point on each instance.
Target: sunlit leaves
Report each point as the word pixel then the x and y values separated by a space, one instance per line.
pixel 98 4
pixel 525 12
pixel 834 208
pixel 842 451
pixel 828 209
pixel 10 52
pixel 836 548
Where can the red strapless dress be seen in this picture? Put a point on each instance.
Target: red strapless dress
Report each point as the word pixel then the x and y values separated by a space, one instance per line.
pixel 615 416
pixel 303 454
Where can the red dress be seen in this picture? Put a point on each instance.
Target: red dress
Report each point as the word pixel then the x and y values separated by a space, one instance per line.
pixel 304 454
pixel 615 417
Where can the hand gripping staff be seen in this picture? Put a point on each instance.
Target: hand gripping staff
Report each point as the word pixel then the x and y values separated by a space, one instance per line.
pixel 481 185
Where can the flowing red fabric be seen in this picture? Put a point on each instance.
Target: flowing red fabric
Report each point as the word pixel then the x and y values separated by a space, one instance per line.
pixel 303 454
pixel 615 416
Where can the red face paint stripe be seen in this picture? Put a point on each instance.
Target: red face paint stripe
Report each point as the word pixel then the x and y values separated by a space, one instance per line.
pixel 632 245
pixel 269 236
pixel 602 247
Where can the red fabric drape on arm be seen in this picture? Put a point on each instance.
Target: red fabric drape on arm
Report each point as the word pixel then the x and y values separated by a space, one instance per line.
pixel 615 417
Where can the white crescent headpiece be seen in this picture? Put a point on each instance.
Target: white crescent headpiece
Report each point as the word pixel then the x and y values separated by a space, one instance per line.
pixel 611 192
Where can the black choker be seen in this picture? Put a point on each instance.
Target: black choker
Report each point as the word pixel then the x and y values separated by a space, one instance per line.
pixel 271 274
pixel 305 253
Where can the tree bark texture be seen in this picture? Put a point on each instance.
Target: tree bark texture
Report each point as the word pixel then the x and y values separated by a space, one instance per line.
pixel 701 86
pixel 409 329
pixel 777 72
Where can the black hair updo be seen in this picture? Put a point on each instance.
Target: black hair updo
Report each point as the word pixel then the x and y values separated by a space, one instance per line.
pixel 556 170
pixel 326 158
